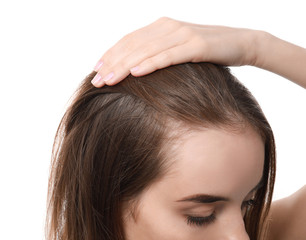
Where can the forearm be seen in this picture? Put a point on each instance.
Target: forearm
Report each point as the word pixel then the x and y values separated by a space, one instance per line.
pixel 281 57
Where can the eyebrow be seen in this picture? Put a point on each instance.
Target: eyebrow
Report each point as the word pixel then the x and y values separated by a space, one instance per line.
pixel 205 198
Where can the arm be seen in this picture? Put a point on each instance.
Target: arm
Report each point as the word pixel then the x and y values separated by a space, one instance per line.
pixel 166 42
pixel 281 57
pixel 288 217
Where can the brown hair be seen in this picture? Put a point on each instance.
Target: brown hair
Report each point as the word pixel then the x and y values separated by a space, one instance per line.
pixel 109 145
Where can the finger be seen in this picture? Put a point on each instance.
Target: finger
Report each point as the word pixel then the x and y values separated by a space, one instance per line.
pixel 112 74
pixel 116 64
pixel 172 56
pixel 130 42
pixel 158 45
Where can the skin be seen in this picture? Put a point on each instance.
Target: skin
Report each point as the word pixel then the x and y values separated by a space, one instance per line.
pixel 211 162
pixel 167 41
pixel 288 217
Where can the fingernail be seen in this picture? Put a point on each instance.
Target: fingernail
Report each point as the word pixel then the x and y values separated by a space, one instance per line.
pixel 98 66
pixel 108 77
pixel 96 79
pixel 134 69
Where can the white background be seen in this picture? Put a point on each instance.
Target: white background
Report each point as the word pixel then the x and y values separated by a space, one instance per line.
pixel 48 47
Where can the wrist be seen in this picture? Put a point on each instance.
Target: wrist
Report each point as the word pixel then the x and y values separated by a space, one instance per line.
pixel 261 43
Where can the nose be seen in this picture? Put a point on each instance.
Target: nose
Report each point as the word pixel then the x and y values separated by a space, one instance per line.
pixel 238 235
pixel 234 229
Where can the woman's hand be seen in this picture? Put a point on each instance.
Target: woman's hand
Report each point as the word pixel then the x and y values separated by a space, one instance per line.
pixel 167 42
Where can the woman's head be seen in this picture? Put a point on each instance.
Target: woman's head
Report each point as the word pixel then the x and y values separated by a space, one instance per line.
pixel 132 160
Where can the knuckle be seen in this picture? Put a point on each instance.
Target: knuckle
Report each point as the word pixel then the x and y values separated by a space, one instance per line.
pixel 168 23
pixel 165 56
pixel 149 62
pixel 124 65
pixel 173 24
pixel 163 19
pixel 187 31
pixel 148 50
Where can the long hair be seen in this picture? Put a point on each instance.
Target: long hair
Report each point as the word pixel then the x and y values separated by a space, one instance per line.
pixel 109 146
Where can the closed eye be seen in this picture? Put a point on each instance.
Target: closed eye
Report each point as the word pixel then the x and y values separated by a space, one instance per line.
pixel 201 221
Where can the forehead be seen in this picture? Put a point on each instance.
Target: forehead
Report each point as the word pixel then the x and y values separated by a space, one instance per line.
pixel 216 161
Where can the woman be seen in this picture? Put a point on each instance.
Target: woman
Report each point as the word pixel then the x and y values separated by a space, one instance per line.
pixel 183 153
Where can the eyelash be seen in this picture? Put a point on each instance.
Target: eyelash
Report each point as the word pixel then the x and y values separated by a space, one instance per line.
pixel 203 221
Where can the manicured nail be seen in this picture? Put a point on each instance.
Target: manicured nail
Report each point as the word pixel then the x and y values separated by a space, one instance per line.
pixel 108 77
pixel 96 79
pixel 98 66
pixel 134 69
